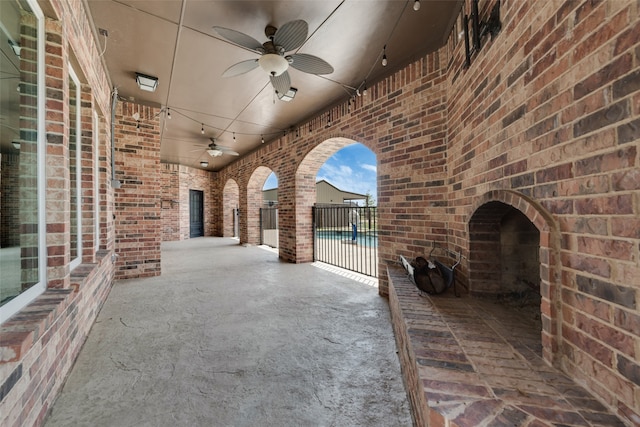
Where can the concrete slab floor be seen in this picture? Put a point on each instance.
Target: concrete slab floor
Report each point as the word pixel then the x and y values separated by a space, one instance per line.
pixel 232 336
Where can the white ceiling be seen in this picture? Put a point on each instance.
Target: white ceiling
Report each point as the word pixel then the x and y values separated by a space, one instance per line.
pixel 174 40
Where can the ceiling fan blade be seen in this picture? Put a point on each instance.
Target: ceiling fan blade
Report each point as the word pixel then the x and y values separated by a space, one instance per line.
pixel 291 35
pixel 240 68
pixel 231 152
pixel 310 64
pixel 281 83
pixel 239 38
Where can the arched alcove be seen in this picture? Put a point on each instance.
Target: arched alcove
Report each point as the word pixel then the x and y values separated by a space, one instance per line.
pixel 510 255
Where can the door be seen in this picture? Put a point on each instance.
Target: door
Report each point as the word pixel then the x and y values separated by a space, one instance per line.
pixel 196 213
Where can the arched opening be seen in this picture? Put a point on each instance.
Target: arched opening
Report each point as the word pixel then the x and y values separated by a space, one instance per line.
pixel 269 212
pixel 230 206
pixel 255 202
pixel 347 171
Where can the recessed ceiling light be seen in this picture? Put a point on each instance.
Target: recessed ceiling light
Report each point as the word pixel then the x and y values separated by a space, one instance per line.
pixel 145 82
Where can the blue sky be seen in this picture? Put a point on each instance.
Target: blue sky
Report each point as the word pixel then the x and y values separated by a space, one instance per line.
pixel 351 169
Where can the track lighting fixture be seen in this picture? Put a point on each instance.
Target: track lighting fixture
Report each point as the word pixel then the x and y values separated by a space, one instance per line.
pixel 416 5
pixel 234 137
pixel 202 129
pixel 168 113
pixel 262 139
pixel 384 56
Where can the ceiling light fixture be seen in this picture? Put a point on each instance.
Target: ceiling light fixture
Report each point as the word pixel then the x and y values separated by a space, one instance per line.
pixel 16 145
pixel 168 113
pixel 288 96
pixel 202 129
pixel 204 164
pixel 15 47
pixel 262 139
pixel 273 64
pixel 145 82
pixel 234 137
pixel 416 5
pixel 384 56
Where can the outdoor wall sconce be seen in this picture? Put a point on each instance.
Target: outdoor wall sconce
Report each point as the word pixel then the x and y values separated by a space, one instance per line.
pixel 480 29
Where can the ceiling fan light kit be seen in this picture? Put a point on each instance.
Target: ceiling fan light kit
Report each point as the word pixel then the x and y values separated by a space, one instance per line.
pixel 273 64
pixel 273 60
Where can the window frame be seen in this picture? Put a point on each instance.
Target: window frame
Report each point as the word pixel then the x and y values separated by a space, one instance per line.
pixel 24 298
pixel 78 187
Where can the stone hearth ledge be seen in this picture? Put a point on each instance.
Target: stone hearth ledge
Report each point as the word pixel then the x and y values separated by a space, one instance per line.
pixel 468 362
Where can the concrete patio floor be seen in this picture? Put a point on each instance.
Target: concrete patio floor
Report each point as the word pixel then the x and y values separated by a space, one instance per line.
pixel 231 336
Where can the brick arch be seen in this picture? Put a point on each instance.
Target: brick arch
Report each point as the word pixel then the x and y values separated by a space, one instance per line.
pixel 253 204
pixel 230 201
pixel 483 223
pixel 296 197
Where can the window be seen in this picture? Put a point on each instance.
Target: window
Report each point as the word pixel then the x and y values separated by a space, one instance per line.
pixel 96 181
pixel 22 150
pixel 75 169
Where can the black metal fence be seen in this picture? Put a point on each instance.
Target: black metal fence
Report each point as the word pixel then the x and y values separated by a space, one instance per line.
pixel 269 227
pixel 338 242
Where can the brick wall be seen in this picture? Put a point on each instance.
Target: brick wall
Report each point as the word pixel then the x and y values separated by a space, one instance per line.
pixel 138 201
pixel 10 200
pixel 545 119
pixel 170 213
pixel 39 344
pixel 176 181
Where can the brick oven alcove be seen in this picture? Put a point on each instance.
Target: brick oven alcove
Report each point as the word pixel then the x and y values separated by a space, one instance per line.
pixel 504 260
pixel 511 261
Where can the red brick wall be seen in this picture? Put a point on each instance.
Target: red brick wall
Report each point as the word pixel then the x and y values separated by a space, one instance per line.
pixel 545 119
pixel 176 181
pixel 170 213
pixel 138 201
pixel 39 344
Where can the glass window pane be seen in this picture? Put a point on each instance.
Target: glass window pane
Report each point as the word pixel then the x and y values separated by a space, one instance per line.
pixel 73 166
pixel 19 240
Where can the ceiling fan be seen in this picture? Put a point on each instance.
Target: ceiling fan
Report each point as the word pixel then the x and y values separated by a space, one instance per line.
pixel 273 58
pixel 215 150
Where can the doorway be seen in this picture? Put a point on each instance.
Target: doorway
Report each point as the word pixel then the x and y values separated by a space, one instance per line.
pixel 196 213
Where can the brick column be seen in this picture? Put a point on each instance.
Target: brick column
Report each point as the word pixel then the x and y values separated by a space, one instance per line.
pixel 138 201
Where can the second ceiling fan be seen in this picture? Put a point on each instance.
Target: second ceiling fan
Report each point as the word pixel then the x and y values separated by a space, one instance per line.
pixel 273 58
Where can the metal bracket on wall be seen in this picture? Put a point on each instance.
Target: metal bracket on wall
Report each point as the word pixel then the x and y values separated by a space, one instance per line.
pixel 480 29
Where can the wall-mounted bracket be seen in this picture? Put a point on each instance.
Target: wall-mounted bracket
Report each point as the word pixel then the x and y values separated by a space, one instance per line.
pixel 479 29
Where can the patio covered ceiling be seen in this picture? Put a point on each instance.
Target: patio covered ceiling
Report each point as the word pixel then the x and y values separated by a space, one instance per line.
pixel 175 41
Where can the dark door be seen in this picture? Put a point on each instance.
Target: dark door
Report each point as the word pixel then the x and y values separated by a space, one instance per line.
pixel 196 210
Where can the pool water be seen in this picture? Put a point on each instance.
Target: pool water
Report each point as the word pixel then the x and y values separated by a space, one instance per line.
pixel 364 239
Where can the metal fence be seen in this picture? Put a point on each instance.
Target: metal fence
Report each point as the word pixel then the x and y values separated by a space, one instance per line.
pixel 337 243
pixel 269 227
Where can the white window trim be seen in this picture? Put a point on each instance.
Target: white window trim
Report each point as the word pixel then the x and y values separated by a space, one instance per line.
pixel 20 301
pixel 78 260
